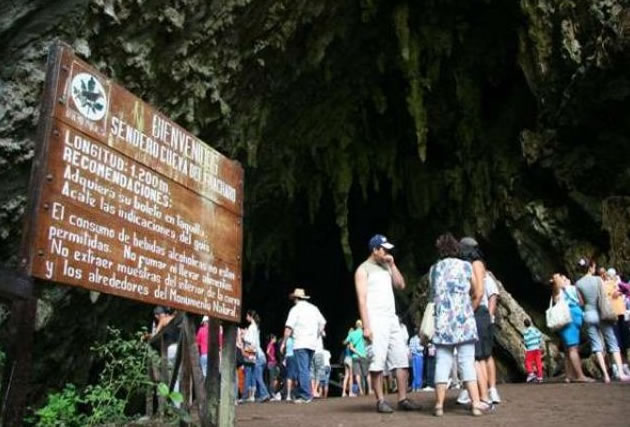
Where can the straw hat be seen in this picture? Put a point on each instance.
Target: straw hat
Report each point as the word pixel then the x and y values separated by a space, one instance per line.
pixel 299 294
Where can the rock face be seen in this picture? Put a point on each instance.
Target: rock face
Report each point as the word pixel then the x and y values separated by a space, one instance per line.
pixel 509 337
pixel 504 120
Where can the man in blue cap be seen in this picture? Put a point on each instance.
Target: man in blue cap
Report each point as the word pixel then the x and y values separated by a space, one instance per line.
pixel 375 280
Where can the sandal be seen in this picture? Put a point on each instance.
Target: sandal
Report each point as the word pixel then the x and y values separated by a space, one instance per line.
pixel 438 411
pixel 482 408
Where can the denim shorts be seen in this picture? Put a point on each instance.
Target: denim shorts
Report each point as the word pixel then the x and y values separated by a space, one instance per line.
pixel 323 375
pixel 292 371
pixel 465 362
pixel 597 346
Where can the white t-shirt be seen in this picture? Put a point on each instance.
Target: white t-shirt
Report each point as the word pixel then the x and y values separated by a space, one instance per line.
pixel 306 321
pixel 489 288
pixel 380 292
pixel 252 336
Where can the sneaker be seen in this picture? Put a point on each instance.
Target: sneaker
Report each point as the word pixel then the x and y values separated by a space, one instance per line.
pixel 288 399
pixel 251 399
pixel 493 394
pixel 383 407
pixel 264 399
pixel 408 405
pixel 463 398
pixel 539 380
pixel 626 370
pixel 276 397
pixel 531 377
pixel 428 388
pixel 300 401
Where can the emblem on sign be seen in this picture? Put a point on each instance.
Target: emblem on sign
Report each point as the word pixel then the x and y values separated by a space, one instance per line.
pixel 89 96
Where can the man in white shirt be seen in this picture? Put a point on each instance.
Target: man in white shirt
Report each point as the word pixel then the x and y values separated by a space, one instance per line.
pixel 374 281
pixel 306 324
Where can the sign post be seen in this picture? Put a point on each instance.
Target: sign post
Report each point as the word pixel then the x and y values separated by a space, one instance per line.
pixel 124 201
pixel 128 203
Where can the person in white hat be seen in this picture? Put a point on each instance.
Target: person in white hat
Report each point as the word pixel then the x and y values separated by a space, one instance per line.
pixel 375 280
pixel 305 324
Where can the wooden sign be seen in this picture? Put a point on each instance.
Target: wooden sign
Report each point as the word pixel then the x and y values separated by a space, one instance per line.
pixel 125 201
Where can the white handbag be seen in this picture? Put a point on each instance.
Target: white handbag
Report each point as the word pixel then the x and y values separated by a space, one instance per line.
pixel 558 314
pixel 427 326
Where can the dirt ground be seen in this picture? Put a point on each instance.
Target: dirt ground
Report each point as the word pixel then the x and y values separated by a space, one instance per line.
pixel 531 405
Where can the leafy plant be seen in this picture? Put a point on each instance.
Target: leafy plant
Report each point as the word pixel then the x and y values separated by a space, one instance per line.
pixel 61 409
pixel 174 400
pixel 124 374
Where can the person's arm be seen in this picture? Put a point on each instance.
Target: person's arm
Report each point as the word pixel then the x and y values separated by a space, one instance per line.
pixel 493 298
pixel 397 279
pixel 492 304
pixel 346 341
pixel 353 350
pixel 164 320
pixel 321 324
pixel 478 273
pixel 580 296
pixel 360 284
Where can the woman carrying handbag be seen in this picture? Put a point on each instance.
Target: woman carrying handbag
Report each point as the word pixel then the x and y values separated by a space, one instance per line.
pixel 562 290
pixel 595 311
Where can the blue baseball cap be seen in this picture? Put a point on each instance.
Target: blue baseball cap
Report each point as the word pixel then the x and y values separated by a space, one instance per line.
pixel 379 241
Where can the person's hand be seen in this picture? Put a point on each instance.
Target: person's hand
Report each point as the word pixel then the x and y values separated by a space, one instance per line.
pixel 389 259
pixel 282 346
pixel 616 294
pixel 367 334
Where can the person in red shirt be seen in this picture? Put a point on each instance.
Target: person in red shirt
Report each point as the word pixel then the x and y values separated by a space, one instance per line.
pixel 272 367
pixel 202 344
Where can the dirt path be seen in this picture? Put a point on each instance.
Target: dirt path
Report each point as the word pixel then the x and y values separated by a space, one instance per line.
pixel 523 405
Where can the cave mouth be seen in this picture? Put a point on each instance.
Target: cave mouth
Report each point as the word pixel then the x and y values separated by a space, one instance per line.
pixel 406 125
pixel 351 118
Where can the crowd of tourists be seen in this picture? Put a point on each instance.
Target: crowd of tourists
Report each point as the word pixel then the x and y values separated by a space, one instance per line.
pixel 452 348
pixel 600 302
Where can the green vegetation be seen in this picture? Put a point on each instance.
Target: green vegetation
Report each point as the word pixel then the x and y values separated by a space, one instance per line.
pixel 124 375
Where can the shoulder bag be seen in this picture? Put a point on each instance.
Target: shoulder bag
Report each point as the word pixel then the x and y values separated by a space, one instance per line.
pixel 427 326
pixel 558 314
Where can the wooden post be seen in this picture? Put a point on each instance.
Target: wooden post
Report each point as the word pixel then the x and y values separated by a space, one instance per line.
pixel 213 379
pixel 17 371
pixel 163 373
pixel 195 369
pixel 184 378
pixel 227 412
pixel 177 364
